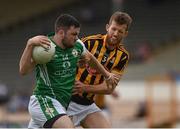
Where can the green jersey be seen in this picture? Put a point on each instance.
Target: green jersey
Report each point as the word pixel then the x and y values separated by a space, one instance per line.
pixel 56 78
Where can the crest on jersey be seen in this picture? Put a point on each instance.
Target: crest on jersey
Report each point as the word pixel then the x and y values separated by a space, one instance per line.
pixel 76 53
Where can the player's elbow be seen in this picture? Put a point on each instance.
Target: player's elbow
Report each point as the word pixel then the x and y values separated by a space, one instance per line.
pixel 22 71
pixel 109 92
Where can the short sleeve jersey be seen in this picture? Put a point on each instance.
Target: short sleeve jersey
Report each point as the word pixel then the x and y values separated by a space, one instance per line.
pixel 56 78
pixel 113 60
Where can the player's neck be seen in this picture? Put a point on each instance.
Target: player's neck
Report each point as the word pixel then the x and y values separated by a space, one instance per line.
pixel 111 47
pixel 58 41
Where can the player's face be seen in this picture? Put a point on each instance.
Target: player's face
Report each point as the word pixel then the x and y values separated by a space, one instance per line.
pixel 115 33
pixel 71 35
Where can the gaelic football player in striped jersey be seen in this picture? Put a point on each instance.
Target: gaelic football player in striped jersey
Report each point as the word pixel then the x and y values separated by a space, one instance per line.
pixel 110 52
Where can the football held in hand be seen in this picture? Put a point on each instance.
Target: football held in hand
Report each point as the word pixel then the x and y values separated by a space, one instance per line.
pixel 43 55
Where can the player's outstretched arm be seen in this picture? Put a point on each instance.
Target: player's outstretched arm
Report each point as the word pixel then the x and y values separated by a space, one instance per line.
pixel 26 63
pixel 102 88
pixel 93 62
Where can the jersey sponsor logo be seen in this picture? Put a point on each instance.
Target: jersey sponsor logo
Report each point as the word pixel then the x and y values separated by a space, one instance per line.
pixel 65 57
pixel 66 69
pixel 65 72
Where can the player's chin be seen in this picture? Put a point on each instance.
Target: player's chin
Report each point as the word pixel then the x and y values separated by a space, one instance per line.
pixel 70 45
pixel 114 42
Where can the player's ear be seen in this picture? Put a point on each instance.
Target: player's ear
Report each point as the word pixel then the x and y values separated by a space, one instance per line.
pixel 126 33
pixel 61 33
pixel 107 27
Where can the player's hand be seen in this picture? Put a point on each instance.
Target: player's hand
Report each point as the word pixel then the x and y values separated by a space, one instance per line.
pixel 115 94
pixel 78 88
pixel 112 80
pixel 82 62
pixel 39 40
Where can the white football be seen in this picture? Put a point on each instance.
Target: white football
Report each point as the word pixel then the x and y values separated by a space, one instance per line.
pixel 43 55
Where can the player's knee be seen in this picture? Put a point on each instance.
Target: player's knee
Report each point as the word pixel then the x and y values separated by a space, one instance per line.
pixel 63 122
pixel 96 120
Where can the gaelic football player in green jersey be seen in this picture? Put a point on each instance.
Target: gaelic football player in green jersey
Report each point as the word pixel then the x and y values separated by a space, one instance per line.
pixel 55 79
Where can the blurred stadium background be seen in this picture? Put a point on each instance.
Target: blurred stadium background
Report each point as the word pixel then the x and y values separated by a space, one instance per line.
pixel 149 90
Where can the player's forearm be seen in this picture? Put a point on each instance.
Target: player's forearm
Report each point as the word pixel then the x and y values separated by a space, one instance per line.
pixel 94 63
pixel 98 89
pixel 26 64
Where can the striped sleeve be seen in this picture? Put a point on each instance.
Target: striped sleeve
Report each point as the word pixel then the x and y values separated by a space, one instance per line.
pixel 122 64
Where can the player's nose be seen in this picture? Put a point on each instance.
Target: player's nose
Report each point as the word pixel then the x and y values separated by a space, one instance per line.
pixel 76 38
pixel 115 33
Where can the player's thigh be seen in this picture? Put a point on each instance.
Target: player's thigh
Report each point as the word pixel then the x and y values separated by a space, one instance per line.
pixel 63 122
pixel 45 110
pixel 96 120
pixel 78 112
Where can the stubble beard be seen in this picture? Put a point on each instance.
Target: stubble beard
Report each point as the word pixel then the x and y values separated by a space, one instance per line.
pixel 112 42
pixel 65 44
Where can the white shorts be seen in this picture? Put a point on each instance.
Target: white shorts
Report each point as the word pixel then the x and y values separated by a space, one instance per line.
pixel 43 109
pixel 78 112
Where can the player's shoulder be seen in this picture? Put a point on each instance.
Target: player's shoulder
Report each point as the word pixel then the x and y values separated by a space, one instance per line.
pixel 123 49
pixel 79 43
pixel 93 37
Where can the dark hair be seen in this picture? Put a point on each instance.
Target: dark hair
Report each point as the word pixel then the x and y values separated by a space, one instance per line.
pixel 66 21
pixel 121 18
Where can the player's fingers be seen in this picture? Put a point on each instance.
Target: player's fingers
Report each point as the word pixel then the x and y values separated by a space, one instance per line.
pixel 116 81
pixel 116 77
pixel 44 46
pixel 45 41
pixel 76 85
pixel 77 88
pixel 108 84
pixel 74 93
pixel 74 90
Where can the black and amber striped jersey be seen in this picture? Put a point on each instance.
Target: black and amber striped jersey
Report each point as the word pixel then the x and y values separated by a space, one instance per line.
pixel 113 60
